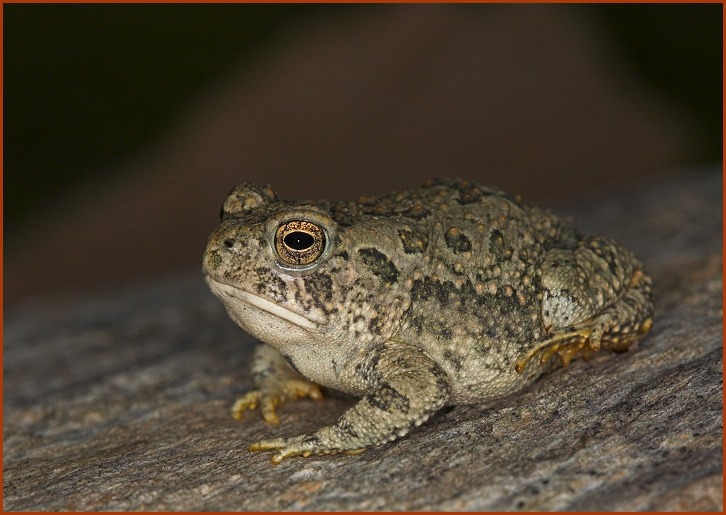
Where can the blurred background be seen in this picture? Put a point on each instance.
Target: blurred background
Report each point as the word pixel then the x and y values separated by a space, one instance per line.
pixel 126 125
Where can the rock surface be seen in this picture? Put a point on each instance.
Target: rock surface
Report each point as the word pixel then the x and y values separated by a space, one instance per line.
pixel 121 402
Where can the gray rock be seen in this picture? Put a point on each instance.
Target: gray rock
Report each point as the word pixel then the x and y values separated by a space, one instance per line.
pixel 121 402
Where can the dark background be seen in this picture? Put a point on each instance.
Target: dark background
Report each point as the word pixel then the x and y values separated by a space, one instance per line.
pixel 125 125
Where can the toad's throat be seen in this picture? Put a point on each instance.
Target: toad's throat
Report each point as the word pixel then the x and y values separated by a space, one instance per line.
pixel 232 294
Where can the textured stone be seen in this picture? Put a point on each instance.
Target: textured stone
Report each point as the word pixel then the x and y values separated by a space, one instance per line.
pixel 121 402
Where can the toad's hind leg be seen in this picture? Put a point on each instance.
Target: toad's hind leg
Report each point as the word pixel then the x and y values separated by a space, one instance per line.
pixel 595 295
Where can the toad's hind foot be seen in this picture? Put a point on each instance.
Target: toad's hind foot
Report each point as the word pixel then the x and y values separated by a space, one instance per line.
pixel 584 342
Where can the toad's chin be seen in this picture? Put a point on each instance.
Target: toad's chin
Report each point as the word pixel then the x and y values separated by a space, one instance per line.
pixel 263 318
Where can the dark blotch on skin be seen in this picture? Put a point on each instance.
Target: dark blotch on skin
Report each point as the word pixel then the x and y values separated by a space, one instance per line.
pixel 379 264
pixel 427 288
pixel 387 398
pixel 454 359
pixel 311 438
pixel 442 382
pixel 375 325
pixel 346 427
pixel 320 288
pixel 496 243
pixel 457 242
pixel 272 286
pixel 413 241
pixel 368 370
pixel 417 324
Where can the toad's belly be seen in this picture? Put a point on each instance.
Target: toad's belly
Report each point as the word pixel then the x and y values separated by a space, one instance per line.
pixel 480 377
pixel 487 389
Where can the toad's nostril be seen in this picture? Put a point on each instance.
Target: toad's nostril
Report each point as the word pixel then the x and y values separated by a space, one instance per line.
pixel 229 243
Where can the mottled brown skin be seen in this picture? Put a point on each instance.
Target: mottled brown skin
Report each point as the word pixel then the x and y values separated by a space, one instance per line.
pixel 451 293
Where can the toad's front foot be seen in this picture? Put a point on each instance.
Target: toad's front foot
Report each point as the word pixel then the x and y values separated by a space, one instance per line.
pixel 270 398
pixel 303 446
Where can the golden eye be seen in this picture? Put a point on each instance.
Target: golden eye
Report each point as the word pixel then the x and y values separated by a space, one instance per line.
pixel 299 242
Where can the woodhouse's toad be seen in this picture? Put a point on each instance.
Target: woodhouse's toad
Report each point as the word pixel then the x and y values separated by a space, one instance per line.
pixel 449 293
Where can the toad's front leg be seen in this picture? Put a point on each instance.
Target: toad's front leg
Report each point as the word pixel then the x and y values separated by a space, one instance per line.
pixel 276 383
pixel 406 387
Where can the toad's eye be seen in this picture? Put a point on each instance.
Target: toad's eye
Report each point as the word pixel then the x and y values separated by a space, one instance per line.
pixel 299 242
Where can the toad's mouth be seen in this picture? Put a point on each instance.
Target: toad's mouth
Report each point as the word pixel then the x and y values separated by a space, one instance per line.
pixel 232 295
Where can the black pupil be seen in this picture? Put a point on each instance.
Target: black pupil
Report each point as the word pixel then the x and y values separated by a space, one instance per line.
pixel 298 240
